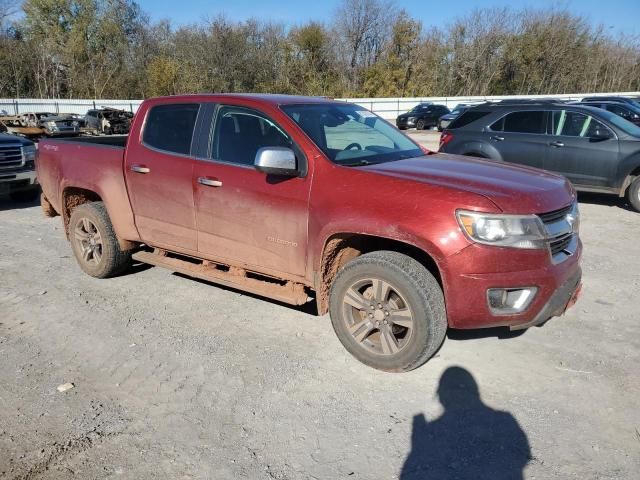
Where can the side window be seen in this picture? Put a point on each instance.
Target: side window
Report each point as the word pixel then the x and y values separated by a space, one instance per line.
pixel 622 112
pixel 241 132
pixel 574 124
pixel 522 122
pixel 170 127
pixel 468 117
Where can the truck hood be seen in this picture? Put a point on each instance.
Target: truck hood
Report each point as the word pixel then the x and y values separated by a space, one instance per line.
pixel 512 188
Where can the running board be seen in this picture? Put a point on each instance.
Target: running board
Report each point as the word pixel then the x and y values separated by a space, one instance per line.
pixel 284 291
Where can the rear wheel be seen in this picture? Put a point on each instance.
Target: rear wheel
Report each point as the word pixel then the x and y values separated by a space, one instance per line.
pixel 388 311
pixel 94 242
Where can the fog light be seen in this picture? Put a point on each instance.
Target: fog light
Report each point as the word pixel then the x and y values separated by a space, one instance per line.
pixel 506 301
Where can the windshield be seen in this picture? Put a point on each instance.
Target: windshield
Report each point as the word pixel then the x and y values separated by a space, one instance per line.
pixel 351 135
pixel 459 111
pixel 621 123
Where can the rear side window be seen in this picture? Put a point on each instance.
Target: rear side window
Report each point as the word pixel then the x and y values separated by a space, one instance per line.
pixel 467 117
pixel 522 122
pixel 170 127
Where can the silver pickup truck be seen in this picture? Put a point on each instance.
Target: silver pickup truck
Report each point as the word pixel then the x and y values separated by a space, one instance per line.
pixel 17 168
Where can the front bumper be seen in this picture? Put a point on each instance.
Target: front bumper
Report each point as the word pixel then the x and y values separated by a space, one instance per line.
pixel 17 180
pixel 466 290
pixel 405 123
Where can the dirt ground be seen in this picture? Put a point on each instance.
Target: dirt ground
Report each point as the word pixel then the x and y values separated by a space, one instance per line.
pixel 177 378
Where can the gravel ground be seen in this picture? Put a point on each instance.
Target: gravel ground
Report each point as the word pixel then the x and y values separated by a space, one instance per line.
pixel 177 378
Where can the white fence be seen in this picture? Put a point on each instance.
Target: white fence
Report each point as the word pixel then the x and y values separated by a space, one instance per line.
pixel 388 108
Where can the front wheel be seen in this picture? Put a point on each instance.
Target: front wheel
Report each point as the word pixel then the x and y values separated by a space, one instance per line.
pixel 388 311
pixel 633 194
pixel 420 124
pixel 94 242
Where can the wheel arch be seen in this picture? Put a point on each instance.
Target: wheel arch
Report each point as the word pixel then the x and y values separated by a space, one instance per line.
pixel 628 180
pixel 340 248
pixel 73 197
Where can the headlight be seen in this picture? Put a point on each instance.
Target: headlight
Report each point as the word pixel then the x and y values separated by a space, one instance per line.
pixel 517 231
pixel 411 119
pixel 29 152
pixel 51 124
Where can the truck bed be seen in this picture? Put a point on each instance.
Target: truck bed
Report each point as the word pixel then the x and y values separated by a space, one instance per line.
pixel 117 141
pixel 91 164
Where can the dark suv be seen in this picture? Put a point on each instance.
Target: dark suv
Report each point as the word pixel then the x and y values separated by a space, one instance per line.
pixel 597 150
pixel 423 115
pixel 628 111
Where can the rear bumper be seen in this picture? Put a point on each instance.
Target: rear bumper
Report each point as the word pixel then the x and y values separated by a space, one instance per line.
pixel 466 293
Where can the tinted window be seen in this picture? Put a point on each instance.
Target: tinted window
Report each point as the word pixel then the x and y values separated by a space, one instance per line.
pixel 621 111
pixel 170 127
pixel 468 117
pixel 241 132
pixel 522 122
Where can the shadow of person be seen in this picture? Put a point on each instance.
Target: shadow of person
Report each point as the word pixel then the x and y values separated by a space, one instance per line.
pixel 470 441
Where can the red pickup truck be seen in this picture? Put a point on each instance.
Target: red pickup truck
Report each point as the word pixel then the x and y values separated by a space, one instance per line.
pixel 293 197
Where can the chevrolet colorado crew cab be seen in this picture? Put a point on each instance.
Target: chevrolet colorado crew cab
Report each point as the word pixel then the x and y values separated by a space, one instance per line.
pixel 288 197
pixel 17 168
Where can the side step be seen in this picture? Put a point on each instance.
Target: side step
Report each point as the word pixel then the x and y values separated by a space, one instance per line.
pixel 284 291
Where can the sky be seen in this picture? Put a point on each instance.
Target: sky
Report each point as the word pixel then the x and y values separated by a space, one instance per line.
pixel 619 16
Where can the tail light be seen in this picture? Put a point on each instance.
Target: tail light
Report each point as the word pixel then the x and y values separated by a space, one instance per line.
pixel 445 138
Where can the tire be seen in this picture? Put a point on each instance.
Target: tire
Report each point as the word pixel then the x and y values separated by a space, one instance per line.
pixel 27 195
pixel 420 124
pixel 413 297
pixel 106 259
pixel 633 194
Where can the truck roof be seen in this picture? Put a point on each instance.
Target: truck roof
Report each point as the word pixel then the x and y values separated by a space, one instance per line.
pixel 264 98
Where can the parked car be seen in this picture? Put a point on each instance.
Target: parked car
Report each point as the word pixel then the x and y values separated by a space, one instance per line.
pixel 50 124
pixel 32 119
pixel 423 115
pixel 284 195
pixel 108 121
pixel 62 125
pixel 17 168
pixel 628 100
pixel 445 120
pixel 628 111
pixel 597 150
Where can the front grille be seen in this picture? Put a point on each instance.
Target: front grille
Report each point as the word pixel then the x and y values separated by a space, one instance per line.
pixel 561 232
pixel 555 215
pixel 560 244
pixel 10 155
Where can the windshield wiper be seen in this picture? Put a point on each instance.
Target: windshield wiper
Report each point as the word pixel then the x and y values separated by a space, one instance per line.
pixel 359 163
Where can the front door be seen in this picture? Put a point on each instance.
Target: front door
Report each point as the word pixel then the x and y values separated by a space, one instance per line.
pixel 159 173
pixel 582 149
pixel 244 216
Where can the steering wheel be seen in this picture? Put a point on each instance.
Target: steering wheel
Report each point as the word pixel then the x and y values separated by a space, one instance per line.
pixel 353 145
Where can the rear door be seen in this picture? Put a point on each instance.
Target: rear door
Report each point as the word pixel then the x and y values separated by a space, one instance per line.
pixel 520 137
pixel 583 149
pixel 244 216
pixel 159 172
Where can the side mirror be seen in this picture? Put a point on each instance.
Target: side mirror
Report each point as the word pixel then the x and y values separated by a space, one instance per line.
pixel 600 136
pixel 276 161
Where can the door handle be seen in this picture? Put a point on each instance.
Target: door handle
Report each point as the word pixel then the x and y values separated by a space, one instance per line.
pixel 497 138
pixel 557 144
pixel 140 169
pixel 209 182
